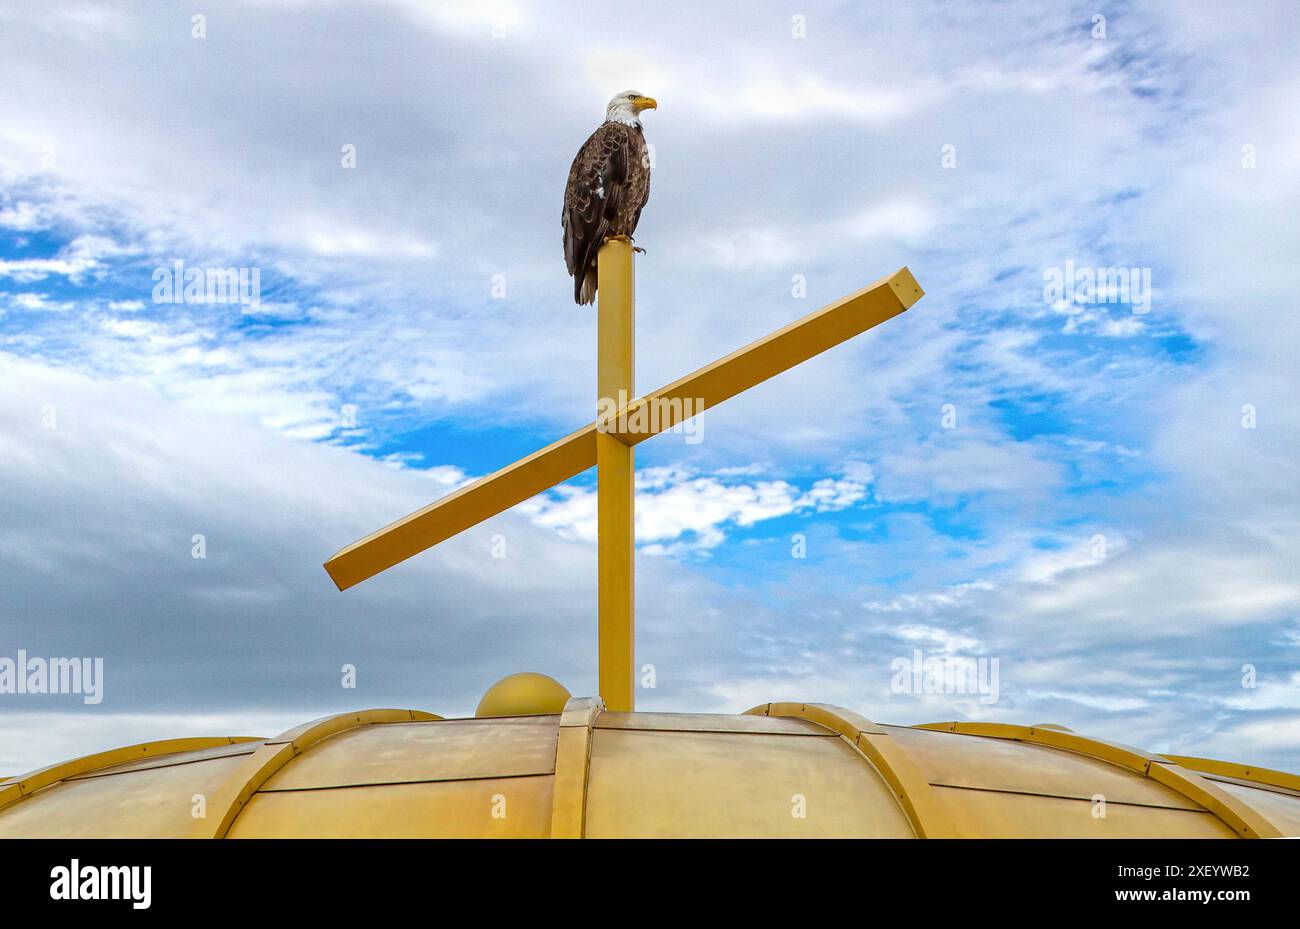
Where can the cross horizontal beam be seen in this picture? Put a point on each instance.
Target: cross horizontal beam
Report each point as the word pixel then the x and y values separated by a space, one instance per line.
pixel 466 507
pixel 575 453
pixel 769 356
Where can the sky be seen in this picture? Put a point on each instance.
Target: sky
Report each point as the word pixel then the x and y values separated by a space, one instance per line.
pixel 1093 491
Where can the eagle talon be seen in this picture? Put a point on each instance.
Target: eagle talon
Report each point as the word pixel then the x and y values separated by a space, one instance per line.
pixel 638 248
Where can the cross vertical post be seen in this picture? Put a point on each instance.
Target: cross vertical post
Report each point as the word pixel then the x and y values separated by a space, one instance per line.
pixel 615 363
pixel 622 422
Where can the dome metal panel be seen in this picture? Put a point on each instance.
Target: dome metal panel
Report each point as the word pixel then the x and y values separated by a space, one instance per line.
pixel 424 751
pixel 656 783
pixel 998 815
pixel 153 802
pixel 446 809
pixel 782 769
pixel 709 722
pixel 1017 767
pixel 1243 819
pixel 1282 808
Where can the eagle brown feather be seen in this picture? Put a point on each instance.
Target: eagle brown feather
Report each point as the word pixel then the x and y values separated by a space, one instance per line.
pixel 609 184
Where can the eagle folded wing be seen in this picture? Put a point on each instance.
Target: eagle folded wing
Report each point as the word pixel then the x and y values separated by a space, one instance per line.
pixel 593 197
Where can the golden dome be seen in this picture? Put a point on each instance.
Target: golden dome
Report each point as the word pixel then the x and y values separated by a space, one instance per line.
pixel 781 769
pixel 524 694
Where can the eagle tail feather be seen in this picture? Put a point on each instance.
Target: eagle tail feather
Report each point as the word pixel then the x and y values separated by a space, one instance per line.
pixel 585 291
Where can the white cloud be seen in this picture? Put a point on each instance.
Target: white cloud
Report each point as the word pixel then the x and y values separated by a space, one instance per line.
pixel 675 504
pixel 22 215
pixel 944 641
pixel 33 302
pixel 809 96
pixel 1108 704
pixel 907 220
pixel 950 465
pixel 1276 694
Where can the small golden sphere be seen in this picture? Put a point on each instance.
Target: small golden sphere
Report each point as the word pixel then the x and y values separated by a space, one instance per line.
pixel 525 694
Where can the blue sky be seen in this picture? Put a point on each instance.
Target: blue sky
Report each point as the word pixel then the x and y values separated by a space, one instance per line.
pixel 950 474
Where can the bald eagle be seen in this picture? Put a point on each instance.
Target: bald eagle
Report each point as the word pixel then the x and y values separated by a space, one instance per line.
pixel 608 185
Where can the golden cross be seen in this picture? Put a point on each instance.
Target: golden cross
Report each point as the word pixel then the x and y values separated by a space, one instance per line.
pixel 608 444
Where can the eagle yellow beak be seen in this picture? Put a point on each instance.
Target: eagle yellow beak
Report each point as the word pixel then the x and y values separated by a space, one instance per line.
pixel 644 103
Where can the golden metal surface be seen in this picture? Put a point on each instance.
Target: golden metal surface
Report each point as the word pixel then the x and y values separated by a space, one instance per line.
pixel 615 476
pixel 468 506
pixel 584 772
pixel 1245 772
pixel 572 768
pixel 317 729
pixel 846 722
pixel 616 325
pixel 925 809
pixel 783 769
pixel 151 803
pixel 616 581
pixel 998 815
pixel 1281 809
pixel 711 722
pixel 524 694
pixel 431 751
pixel 229 799
pixel 1238 815
pixel 512 807
pixel 582 711
pixel 1230 809
pixel 23 785
pixel 1125 756
pixel 1022 767
pixel 175 758
pixel 646 783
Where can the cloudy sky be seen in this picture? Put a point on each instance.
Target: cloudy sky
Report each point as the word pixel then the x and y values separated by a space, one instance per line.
pixel 1097 489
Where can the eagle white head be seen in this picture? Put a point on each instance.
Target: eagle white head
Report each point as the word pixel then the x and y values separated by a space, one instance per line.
pixel 626 108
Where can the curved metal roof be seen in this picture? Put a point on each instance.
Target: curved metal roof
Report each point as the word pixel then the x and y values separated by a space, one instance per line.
pixel 782 769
